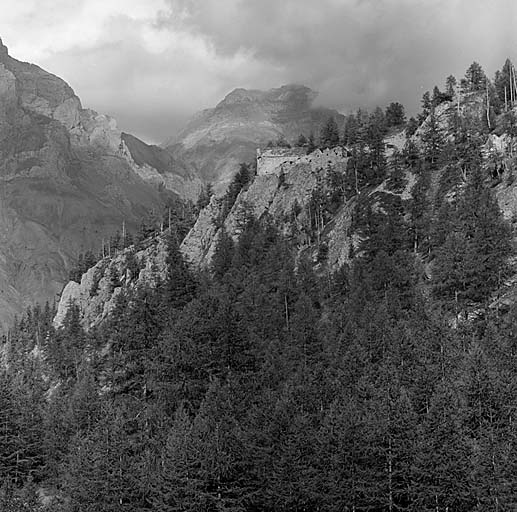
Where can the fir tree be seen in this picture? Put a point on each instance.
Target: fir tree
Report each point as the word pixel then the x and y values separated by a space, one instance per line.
pixel 329 136
pixel 450 85
pixel 471 263
pixel 475 78
pixel 395 115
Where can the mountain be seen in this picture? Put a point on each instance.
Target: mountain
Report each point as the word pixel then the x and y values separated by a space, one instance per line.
pixel 69 178
pixel 326 212
pixel 355 297
pixel 157 166
pixel 295 192
pixel 218 139
pixel 284 197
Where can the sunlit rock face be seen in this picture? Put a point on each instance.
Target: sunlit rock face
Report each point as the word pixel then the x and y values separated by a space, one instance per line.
pixel 96 294
pixel 281 193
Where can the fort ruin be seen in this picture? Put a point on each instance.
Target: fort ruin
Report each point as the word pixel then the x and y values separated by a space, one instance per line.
pixel 280 159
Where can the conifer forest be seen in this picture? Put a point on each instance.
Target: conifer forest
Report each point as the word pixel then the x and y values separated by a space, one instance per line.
pixel 269 381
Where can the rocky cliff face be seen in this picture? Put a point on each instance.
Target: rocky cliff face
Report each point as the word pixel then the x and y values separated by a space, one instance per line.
pixel 67 179
pixel 282 196
pixel 158 167
pixel 216 140
pixel 285 198
pixel 100 286
pixel 283 193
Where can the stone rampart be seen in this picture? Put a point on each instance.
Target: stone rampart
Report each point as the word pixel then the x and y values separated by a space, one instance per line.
pixel 280 160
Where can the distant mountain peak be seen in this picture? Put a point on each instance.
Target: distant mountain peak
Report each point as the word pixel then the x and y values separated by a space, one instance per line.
pixel 289 94
pixel 3 49
pixel 293 96
pixel 217 140
pixel 241 95
pixel 291 89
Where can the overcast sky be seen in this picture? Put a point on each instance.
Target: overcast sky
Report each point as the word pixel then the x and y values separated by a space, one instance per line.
pixel 153 63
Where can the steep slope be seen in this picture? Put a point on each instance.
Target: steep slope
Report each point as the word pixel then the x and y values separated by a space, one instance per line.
pixel 285 195
pixel 157 166
pixel 100 286
pixel 297 197
pixel 216 140
pixel 285 198
pixel 67 179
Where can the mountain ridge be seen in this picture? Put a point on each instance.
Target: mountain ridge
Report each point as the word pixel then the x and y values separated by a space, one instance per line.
pixel 216 140
pixel 67 182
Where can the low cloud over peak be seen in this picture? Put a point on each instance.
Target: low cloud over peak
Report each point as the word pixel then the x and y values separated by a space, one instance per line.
pixel 152 63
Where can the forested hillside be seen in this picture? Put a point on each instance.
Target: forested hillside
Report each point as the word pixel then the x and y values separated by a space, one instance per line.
pixel 273 381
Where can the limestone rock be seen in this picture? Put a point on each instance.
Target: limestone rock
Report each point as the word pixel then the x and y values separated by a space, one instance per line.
pixel 100 286
pixel 199 244
pixel 71 294
pixel 282 194
pixel 157 166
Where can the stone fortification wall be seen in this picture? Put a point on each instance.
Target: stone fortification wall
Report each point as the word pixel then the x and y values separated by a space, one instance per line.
pixel 280 160
pixel 322 158
pixel 269 161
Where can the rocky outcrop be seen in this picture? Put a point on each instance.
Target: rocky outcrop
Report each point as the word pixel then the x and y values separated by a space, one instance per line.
pixel 500 157
pixel 97 293
pixel 284 197
pixel 155 165
pixel 472 106
pixel 499 150
pixel 217 140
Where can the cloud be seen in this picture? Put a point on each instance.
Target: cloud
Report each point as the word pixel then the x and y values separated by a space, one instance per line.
pixel 152 63
pixel 357 52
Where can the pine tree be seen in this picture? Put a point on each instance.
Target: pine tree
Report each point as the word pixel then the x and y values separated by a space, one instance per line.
pixel 395 115
pixel 241 180
pixel 412 127
pixel 442 468
pixel 419 211
pixel 376 131
pixel 98 473
pixel 426 106
pixel 178 486
pixel 223 256
pixel 471 263
pixel 503 83
pixel 204 197
pixel 437 96
pixel 329 136
pixel 341 446
pixel 179 287
pixel 432 138
pixel 450 85
pixel 475 78
pixel 9 433
pixel 350 130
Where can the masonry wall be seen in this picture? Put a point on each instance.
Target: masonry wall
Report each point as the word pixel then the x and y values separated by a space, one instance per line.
pixel 278 160
pixel 321 159
pixel 269 161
